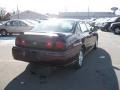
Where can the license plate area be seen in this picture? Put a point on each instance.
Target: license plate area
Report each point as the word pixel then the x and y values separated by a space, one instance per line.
pixel 31 53
pixel 36 55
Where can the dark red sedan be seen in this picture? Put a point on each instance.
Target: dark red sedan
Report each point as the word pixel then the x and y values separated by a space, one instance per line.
pixel 56 42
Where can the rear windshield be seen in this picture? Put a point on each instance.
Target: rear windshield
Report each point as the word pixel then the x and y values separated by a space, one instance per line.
pixel 55 26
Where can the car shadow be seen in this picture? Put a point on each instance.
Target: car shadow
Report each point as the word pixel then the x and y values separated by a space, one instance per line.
pixel 97 73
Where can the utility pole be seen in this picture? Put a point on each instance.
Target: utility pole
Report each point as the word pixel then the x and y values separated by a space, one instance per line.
pixel 88 12
pixel 18 12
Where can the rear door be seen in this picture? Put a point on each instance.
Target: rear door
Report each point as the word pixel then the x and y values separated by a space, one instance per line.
pixel 10 26
pixel 75 40
pixel 92 34
pixel 77 35
pixel 86 37
pixel 23 27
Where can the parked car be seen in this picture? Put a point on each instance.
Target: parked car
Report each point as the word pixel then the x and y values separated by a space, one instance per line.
pixel 15 26
pixel 115 28
pixel 56 42
pixel 106 25
pixel 39 20
pixel 92 22
pixel 99 23
pixel 33 22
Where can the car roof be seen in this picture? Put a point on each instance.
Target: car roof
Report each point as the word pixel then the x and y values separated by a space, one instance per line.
pixel 23 20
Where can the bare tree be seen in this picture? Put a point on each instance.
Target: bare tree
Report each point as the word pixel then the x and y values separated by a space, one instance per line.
pixel 2 13
pixel 7 16
pixel 114 9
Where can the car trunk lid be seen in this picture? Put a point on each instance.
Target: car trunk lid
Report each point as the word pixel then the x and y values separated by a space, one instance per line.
pixel 49 41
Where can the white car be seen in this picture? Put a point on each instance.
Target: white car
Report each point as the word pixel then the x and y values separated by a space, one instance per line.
pixel 15 26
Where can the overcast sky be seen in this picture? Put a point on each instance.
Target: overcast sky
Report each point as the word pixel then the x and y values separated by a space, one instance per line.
pixel 55 6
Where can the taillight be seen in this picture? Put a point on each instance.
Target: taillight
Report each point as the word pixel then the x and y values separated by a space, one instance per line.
pixel 52 44
pixel 59 45
pixel 49 44
pixel 20 41
pixel 17 41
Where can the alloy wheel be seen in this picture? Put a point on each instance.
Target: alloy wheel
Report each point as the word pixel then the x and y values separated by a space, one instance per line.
pixel 3 33
pixel 117 30
pixel 80 61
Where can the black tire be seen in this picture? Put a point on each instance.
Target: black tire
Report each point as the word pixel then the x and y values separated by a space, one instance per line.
pixel 79 60
pixel 21 33
pixel 33 68
pixel 115 31
pixel 106 30
pixel 3 32
pixel 10 34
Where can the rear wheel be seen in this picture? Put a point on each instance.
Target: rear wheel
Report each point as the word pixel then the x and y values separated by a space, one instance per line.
pixel 21 33
pixel 3 32
pixel 33 68
pixel 79 60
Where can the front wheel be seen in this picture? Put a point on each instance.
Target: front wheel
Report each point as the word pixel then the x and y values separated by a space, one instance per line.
pixel 79 60
pixel 3 32
pixel 116 30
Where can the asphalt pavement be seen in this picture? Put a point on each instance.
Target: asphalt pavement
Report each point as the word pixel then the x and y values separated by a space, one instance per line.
pixel 101 69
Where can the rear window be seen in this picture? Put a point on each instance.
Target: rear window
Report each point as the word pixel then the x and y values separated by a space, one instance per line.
pixel 55 26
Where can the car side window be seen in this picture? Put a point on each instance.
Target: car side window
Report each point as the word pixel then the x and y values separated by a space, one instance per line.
pixel 7 23
pixel 77 30
pixel 14 23
pixel 22 23
pixel 118 20
pixel 83 27
pixel 88 27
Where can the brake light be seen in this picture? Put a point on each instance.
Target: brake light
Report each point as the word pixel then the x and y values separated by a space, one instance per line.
pixel 59 45
pixel 17 41
pixel 48 44
pixel 20 41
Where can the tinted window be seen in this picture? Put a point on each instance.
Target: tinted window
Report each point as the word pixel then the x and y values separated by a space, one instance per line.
pixel 22 23
pixel 55 26
pixel 8 23
pixel 14 23
pixel 118 20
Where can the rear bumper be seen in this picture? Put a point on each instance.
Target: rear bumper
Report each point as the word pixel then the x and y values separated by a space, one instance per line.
pixel 41 56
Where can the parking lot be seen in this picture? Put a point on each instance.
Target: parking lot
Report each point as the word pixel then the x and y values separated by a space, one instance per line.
pixel 8 40
pixel 101 70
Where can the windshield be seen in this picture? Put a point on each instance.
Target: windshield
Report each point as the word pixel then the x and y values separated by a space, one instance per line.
pixel 113 19
pixel 55 26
